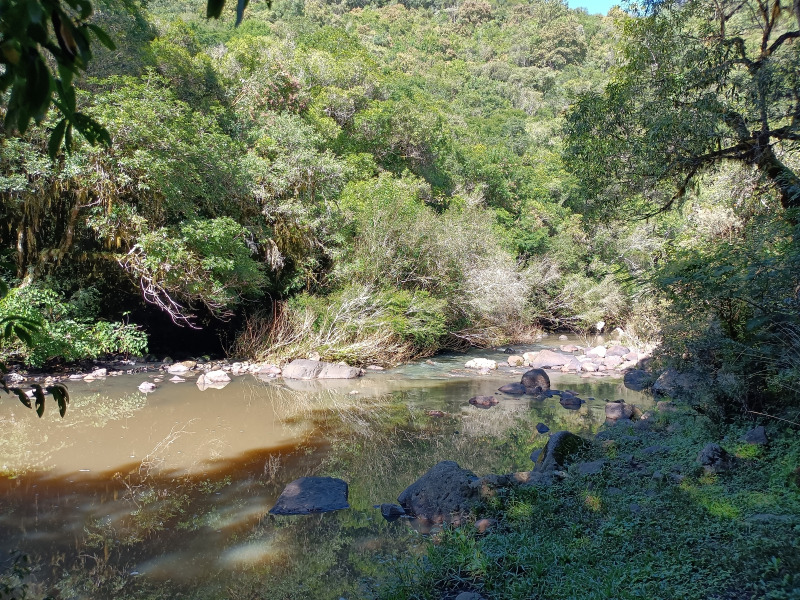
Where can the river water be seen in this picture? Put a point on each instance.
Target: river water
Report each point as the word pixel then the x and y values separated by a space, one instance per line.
pixel 168 493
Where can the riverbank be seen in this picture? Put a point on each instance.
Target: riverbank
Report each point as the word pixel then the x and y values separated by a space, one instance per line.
pixel 647 521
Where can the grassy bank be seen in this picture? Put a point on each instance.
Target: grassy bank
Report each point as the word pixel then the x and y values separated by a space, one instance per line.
pixel 651 524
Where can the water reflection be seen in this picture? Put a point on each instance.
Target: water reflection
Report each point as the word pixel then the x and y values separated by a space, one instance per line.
pixel 171 491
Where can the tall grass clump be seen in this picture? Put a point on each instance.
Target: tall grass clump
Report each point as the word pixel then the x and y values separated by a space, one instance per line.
pixel 411 281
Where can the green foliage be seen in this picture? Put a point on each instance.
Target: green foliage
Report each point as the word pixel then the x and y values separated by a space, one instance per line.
pixel 733 312
pixel 66 332
pixel 62 29
pixel 686 536
pixel 698 86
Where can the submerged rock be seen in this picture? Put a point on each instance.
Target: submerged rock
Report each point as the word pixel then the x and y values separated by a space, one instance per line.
pixel 445 494
pixel 309 495
pixel 515 389
pixel 392 512
pixel 570 402
pixel 314 369
pixel 483 401
pixel 203 383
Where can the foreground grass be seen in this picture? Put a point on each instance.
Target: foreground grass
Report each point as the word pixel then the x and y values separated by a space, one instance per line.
pixel 651 525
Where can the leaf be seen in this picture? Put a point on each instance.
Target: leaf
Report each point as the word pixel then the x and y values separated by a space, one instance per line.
pixel 56 138
pixel 240 6
pixel 102 37
pixel 39 395
pixel 35 12
pixel 38 87
pixel 91 130
pixel 23 397
pixel 214 8
pixel 61 396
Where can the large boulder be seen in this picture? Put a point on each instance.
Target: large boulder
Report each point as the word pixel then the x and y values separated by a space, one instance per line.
pixel 536 381
pixel 756 436
pixel 546 358
pixel 483 401
pixel 314 369
pixel 673 383
pixel 637 380
pixel 309 495
pixel 619 410
pixel 445 494
pixel 715 459
pixel 617 351
pixel 559 448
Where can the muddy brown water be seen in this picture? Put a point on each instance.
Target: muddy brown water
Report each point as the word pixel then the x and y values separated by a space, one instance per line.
pixel 170 491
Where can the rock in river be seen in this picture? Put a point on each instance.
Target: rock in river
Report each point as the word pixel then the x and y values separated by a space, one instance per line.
pixel 314 369
pixel 483 401
pixel 514 389
pixel 445 494
pixel 309 495
pixel 482 364
pixel 536 381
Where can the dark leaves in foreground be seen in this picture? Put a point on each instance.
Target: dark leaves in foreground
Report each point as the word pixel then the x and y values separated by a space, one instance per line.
pixel 58 391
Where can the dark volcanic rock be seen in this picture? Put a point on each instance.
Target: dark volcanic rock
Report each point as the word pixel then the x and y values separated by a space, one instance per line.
pixel 445 494
pixel 715 459
pixel 309 495
pixel 570 402
pixel 637 380
pixel 542 428
pixel 392 512
pixel 536 381
pixel 756 436
pixel 512 388
pixel 314 369
pixel 559 448
pixel 484 401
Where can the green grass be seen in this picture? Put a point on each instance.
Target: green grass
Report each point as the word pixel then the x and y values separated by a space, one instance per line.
pixel 624 534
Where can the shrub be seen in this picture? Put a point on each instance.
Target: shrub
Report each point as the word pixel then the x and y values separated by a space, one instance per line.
pixel 69 330
pixel 359 324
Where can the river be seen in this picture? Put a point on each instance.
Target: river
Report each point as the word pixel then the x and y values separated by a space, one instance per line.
pixel 167 494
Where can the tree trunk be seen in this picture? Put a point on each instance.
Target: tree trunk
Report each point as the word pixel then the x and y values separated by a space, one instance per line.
pixel 787 181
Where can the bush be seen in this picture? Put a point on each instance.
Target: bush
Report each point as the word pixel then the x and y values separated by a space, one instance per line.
pixel 734 313
pixel 70 330
pixel 359 325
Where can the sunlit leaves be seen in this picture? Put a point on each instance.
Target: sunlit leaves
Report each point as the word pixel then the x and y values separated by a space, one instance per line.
pixel 32 34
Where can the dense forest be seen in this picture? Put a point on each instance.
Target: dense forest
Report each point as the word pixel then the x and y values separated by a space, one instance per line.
pixel 376 182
